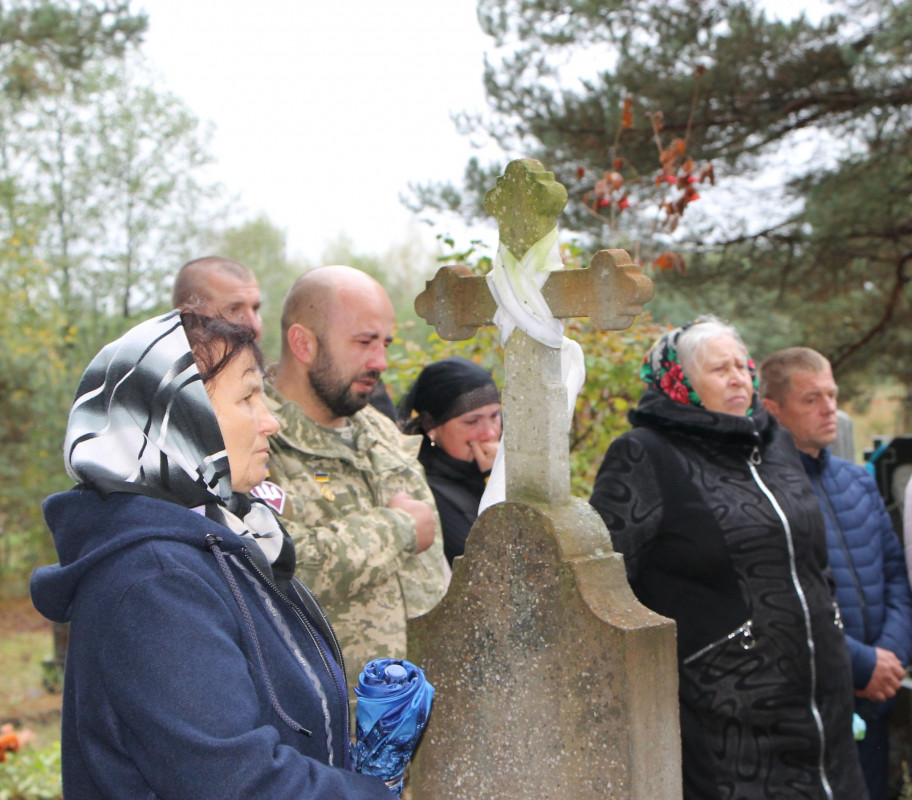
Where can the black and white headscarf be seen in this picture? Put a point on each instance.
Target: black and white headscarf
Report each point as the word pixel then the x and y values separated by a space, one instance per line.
pixel 143 423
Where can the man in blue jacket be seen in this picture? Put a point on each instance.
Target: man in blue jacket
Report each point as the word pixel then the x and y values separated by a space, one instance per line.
pixel 872 586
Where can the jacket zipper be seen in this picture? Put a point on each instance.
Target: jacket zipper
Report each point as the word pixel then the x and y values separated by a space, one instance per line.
pixel 343 696
pixel 745 632
pixel 315 608
pixel 753 461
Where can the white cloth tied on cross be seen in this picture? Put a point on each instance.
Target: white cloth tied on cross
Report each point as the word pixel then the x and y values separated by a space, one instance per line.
pixel 516 288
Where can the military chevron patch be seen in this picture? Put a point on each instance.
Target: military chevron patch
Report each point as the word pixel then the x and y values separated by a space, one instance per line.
pixel 274 496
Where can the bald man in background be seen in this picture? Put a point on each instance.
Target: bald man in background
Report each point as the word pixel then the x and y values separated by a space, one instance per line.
pixel 344 480
pixel 219 287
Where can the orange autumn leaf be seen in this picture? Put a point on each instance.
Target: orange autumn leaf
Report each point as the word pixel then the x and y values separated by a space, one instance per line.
pixel 673 152
pixel 627 113
pixel 706 173
pixel 9 742
pixel 669 260
pixel 615 180
pixel 658 120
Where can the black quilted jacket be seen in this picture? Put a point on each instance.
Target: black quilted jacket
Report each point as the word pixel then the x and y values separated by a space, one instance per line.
pixel 721 532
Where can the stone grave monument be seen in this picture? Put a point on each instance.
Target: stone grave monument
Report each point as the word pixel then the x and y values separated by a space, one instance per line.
pixel 552 681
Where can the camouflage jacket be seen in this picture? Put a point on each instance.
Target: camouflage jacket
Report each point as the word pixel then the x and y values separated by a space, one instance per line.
pixel 356 554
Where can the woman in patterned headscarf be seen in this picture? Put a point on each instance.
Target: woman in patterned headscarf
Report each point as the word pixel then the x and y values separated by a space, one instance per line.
pixel 197 666
pixel 720 531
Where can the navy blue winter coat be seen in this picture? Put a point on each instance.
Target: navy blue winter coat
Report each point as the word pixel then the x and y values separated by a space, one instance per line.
pixel 169 691
pixel 866 557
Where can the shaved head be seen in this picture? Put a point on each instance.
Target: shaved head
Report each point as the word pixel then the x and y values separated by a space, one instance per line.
pixel 217 286
pixel 336 325
pixel 312 299
pixel 191 286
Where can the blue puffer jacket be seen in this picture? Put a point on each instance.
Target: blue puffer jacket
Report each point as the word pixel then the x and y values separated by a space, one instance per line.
pixel 872 587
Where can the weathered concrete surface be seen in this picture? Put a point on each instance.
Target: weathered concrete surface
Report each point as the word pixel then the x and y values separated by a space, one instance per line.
pixel 535 423
pixel 551 680
pixel 611 291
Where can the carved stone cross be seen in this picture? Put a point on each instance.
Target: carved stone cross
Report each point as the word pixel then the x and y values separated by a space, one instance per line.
pixel 526 202
pixel 551 613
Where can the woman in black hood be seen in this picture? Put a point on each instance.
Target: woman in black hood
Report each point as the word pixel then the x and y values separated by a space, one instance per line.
pixel 454 404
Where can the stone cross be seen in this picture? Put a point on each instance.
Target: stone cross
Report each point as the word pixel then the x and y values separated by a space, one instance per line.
pixel 551 680
pixel 526 202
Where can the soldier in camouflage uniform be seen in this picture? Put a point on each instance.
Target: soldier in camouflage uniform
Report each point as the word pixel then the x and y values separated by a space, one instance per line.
pixel 346 483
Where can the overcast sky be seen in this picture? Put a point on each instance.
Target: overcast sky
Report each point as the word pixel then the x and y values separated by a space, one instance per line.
pixel 324 112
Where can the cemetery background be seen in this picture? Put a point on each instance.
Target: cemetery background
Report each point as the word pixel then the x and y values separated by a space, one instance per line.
pixel 91 148
pixel 62 296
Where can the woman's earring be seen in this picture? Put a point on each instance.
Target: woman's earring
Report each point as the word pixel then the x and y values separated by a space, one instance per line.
pixel 433 441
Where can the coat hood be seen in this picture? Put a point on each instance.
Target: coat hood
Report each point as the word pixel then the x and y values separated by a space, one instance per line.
pixel 657 410
pixel 90 528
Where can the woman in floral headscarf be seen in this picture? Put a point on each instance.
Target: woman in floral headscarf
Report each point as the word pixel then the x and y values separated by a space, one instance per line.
pixel 720 531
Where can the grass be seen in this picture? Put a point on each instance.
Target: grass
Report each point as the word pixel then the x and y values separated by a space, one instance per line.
pixel 25 642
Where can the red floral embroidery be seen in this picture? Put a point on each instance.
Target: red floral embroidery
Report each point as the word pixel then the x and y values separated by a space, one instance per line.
pixel 672 384
pixel 680 395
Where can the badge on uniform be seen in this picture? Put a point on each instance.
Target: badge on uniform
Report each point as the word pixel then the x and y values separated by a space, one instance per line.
pixel 274 496
pixel 322 478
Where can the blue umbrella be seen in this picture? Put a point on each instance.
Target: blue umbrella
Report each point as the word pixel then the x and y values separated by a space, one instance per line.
pixel 394 700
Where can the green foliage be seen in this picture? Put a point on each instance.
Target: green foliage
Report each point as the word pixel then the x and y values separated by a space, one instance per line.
pixel 612 360
pixel 31 775
pixel 100 203
pixel 807 124
pixel 142 151
pixel 612 388
pixel 35 390
pixel 416 345
pixel 49 35
pixel 110 165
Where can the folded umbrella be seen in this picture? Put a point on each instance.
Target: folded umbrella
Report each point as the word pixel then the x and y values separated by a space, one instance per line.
pixel 394 700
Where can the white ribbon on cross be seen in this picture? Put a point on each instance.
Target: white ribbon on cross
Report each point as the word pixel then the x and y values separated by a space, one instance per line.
pixel 516 288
